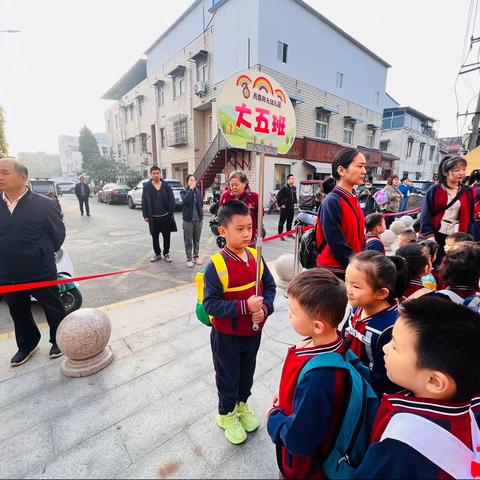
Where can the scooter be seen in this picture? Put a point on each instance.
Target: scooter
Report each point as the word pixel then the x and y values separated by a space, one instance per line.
pixel 70 294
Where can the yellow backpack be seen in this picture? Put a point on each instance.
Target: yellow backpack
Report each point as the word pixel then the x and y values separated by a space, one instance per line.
pixel 222 272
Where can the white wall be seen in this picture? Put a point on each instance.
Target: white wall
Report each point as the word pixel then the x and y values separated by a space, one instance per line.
pixel 316 52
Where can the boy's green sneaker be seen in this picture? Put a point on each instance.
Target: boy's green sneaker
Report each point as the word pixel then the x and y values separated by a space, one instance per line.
pixel 248 419
pixel 234 431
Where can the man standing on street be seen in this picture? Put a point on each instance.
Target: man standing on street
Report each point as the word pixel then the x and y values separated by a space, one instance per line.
pixel 286 199
pixel 82 191
pixel 158 207
pixel 31 230
pixel 406 188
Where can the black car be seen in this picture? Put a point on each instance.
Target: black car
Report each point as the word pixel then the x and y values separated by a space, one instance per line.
pixel 113 193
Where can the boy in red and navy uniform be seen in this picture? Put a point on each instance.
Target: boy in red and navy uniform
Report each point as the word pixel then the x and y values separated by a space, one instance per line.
pixel 305 417
pixel 341 230
pixel 374 227
pixel 238 318
pixel 437 363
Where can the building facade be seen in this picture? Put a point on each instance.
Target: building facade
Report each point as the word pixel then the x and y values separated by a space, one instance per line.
pixel 176 86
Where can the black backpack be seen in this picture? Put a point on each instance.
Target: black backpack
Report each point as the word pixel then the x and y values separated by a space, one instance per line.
pixel 308 249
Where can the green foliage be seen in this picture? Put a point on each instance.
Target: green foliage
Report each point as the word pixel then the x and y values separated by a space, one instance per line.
pixel 88 146
pixel 3 139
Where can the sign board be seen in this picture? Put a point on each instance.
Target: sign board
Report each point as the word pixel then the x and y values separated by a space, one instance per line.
pixel 252 108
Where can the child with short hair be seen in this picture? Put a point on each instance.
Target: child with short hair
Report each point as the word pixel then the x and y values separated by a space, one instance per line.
pixel 374 227
pixel 431 280
pixel 238 318
pixel 374 284
pixel 406 237
pixel 418 261
pixel 433 354
pixel 305 417
pixel 455 238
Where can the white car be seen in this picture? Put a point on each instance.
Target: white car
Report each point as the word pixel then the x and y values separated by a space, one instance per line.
pixel 134 197
pixel 66 186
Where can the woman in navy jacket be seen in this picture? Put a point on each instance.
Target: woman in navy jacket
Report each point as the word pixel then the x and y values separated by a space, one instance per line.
pixel 192 220
pixel 448 206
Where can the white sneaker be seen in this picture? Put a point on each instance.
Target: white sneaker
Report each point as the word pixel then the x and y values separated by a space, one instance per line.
pixel 197 261
pixel 156 258
pixel 167 258
pixel 190 264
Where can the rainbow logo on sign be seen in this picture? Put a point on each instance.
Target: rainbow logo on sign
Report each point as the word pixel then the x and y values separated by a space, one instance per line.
pixel 263 85
pixel 243 81
pixel 279 93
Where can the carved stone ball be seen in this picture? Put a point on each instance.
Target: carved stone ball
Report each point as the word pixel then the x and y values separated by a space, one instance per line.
pixel 84 333
pixel 407 220
pixel 388 239
pixel 284 269
pixel 397 227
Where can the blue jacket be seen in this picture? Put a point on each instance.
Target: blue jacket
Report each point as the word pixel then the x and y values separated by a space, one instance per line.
pixel 28 239
pixel 192 199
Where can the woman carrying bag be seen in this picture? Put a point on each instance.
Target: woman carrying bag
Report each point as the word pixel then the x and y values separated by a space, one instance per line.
pixel 394 197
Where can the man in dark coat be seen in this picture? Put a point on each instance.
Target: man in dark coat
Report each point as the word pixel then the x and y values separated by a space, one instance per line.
pixel 158 207
pixel 286 199
pixel 31 230
pixel 82 191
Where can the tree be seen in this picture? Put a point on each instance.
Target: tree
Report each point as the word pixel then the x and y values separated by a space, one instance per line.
pixel 88 146
pixel 3 139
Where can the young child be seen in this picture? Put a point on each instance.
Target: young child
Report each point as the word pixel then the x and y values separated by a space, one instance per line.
pixel 431 279
pixel 374 227
pixel 418 261
pixel 455 238
pixel 434 355
pixel 374 284
pixel 406 237
pixel 238 318
pixel 461 270
pixel 304 417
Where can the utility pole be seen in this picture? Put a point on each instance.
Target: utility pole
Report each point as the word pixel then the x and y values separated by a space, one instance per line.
pixel 475 125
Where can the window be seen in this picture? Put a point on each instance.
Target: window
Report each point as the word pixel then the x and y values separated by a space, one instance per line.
pixel 202 69
pixel 128 146
pixel 131 112
pixel 321 127
pixel 370 137
pixel 161 96
pixel 178 85
pixel 339 80
pixel 432 153
pixel 421 150
pixel 280 176
pixel 164 173
pixel 163 139
pixel 418 175
pixel 348 132
pixel 133 145
pixel 109 125
pixel 140 106
pixel 126 115
pixel 409 146
pixel 405 174
pixel 282 51
pixel 384 145
pixel 393 119
pixel 116 121
pixel 180 132
pixel 210 128
pixel 119 150
pixel 376 98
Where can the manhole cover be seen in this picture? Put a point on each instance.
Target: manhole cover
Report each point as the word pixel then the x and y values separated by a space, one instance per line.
pixel 123 233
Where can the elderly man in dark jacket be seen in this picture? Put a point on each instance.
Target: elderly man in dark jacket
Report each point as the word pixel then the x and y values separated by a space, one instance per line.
pixel 158 207
pixel 286 199
pixel 31 230
pixel 82 191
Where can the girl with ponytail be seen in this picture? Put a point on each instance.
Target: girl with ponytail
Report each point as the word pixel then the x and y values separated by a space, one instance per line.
pixel 375 284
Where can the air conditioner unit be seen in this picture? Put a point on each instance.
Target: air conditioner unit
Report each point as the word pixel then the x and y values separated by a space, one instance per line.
pixel 200 88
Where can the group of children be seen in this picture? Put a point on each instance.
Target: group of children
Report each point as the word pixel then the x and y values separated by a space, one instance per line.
pixel 411 341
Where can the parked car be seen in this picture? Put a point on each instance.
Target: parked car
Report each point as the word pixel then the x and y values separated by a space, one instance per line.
pixel 113 193
pixel 44 186
pixel 134 196
pixel 66 186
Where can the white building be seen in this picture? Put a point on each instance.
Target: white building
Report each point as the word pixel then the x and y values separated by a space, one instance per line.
pixel 70 156
pixel 164 110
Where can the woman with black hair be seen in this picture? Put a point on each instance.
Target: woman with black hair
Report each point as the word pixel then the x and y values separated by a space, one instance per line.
pixel 448 206
pixel 341 227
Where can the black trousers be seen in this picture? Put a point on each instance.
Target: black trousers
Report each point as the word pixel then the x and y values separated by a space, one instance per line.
pixel 26 330
pixel 81 202
pixel 159 226
pixel 440 238
pixel 234 359
pixel 286 214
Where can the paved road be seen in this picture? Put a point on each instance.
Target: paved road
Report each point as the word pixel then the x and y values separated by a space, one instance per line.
pixel 116 238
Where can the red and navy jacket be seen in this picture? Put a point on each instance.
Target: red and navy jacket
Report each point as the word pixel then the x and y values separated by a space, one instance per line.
pixel 341 231
pixel 463 292
pixel 250 199
pixel 374 242
pixel 304 424
pixel 367 337
pixel 414 285
pixel 437 198
pixel 229 309
pixel 392 459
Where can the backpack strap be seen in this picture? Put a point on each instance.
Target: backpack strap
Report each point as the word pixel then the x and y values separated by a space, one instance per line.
pixel 254 252
pixel 420 293
pixel 221 268
pixel 434 442
pixel 454 297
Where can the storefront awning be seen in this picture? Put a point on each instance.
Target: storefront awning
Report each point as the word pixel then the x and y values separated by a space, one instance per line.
pixel 328 110
pixel 349 118
pixel 320 167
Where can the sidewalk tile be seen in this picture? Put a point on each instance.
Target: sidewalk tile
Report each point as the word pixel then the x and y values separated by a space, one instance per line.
pixel 277 348
pixel 265 362
pixel 183 370
pixel 158 422
pixel 48 403
pixel 26 451
pixel 20 387
pixel 191 340
pixel 177 458
pixel 101 456
pixel 271 379
pixel 101 412
pixel 135 365
pixel 288 335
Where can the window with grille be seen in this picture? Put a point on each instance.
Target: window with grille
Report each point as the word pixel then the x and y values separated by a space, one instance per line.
pixel 383 145
pixel 282 51
pixel 161 96
pixel 421 151
pixel 348 132
pixel 370 137
pixel 163 138
pixel 321 124
pixel 409 146
pixel 202 68
pixel 178 85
